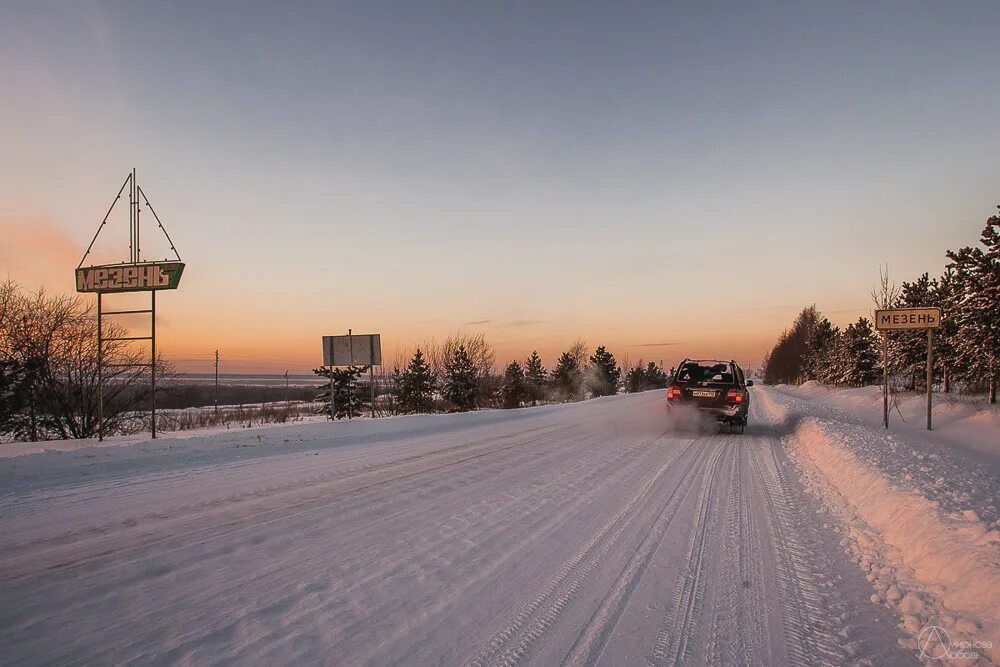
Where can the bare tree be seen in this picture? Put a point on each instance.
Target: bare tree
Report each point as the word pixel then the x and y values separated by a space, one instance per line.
pixel 884 295
pixel 56 337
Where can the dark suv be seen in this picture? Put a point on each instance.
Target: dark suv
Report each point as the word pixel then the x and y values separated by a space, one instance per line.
pixel 716 388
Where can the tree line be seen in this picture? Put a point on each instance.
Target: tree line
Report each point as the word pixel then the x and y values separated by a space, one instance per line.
pixel 458 376
pixel 966 346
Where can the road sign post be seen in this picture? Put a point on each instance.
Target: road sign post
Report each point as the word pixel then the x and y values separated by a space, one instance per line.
pixel 891 319
pixel 930 372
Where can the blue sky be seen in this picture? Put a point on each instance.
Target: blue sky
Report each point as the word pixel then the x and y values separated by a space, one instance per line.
pixel 625 172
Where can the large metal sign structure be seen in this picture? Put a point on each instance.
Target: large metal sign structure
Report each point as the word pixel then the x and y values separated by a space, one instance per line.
pixel 894 319
pixel 132 275
pixel 352 350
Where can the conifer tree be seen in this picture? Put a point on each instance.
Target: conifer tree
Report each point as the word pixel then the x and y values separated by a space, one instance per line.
pixel 416 385
pixel 635 379
pixel 603 374
pixel 785 363
pixel 820 352
pixel 946 297
pixel 534 378
pixel 350 399
pixel 908 348
pixel 15 387
pixel 460 380
pixel 513 390
pixel 655 377
pixel 859 355
pixel 977 309
pixel 567 378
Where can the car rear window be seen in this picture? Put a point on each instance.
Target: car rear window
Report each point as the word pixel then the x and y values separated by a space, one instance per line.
pixel 695 371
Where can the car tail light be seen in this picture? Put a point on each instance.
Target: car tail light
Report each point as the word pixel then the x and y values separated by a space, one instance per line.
pixel 673 392
pixel 734 396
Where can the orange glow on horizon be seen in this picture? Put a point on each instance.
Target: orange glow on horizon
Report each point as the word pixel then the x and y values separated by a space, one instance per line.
pixel 274 332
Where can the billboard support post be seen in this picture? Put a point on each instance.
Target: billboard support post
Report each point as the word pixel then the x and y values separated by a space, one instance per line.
pixel 350 379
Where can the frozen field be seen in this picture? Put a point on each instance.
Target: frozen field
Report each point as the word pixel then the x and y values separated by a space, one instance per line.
pixel 577 534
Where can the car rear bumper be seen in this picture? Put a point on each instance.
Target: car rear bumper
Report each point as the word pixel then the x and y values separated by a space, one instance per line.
pixel 726 412
pixel 720 412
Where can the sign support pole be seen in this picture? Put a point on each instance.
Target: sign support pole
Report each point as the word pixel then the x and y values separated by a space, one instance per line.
pixel 152 361
pixel 333 411
pixel 885 379
pixel 100 373
pixel 350 381
pixel 930 373
pixel 371 385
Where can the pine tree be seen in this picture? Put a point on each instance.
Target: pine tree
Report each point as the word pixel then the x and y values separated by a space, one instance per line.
pixel 513 390
pixel 976 309
pixel 946 297
pixel 460 381
pixel 393 383
pixel 785 363
pixel 635 379
pixel 655 377
pixel 989 300
pixel 821 348
pixel 416 386
pixel 567 378
pixel 603 374
pixel 350 399
pixel 908 348
pixel 859 355
pixel 15 386
pixel 534 378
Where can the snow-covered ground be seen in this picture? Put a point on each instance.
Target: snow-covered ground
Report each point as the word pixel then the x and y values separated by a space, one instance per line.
pixel 920 511
pixel 586 533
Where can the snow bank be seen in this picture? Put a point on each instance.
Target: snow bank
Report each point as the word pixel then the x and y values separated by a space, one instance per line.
pixel 968 422
pixel 931 567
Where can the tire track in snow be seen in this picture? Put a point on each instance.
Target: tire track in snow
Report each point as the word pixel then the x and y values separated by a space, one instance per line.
pixel 303 483
pixel 671 643
pixel 552 449
pixel 536 617
pixel 726 622
pixel 753 631
pixel 808 637
pixel 739 628
pixel 321 496
pixel 534 519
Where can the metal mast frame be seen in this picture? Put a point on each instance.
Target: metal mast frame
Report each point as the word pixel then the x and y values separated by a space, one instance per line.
pixel 135 259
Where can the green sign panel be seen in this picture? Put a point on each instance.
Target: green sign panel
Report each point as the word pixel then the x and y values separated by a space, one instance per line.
pixel 129 277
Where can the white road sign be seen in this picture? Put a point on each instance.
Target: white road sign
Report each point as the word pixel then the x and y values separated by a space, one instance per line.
pixel 354 350
pixel 908 318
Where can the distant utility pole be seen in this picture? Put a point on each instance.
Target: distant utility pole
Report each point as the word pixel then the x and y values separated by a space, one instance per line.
pixel 216 382
pixel 286 386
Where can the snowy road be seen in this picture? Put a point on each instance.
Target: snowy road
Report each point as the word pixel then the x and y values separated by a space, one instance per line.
pixel 588 533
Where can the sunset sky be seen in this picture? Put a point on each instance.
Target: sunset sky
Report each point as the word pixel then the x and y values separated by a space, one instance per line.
pixel 665 179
